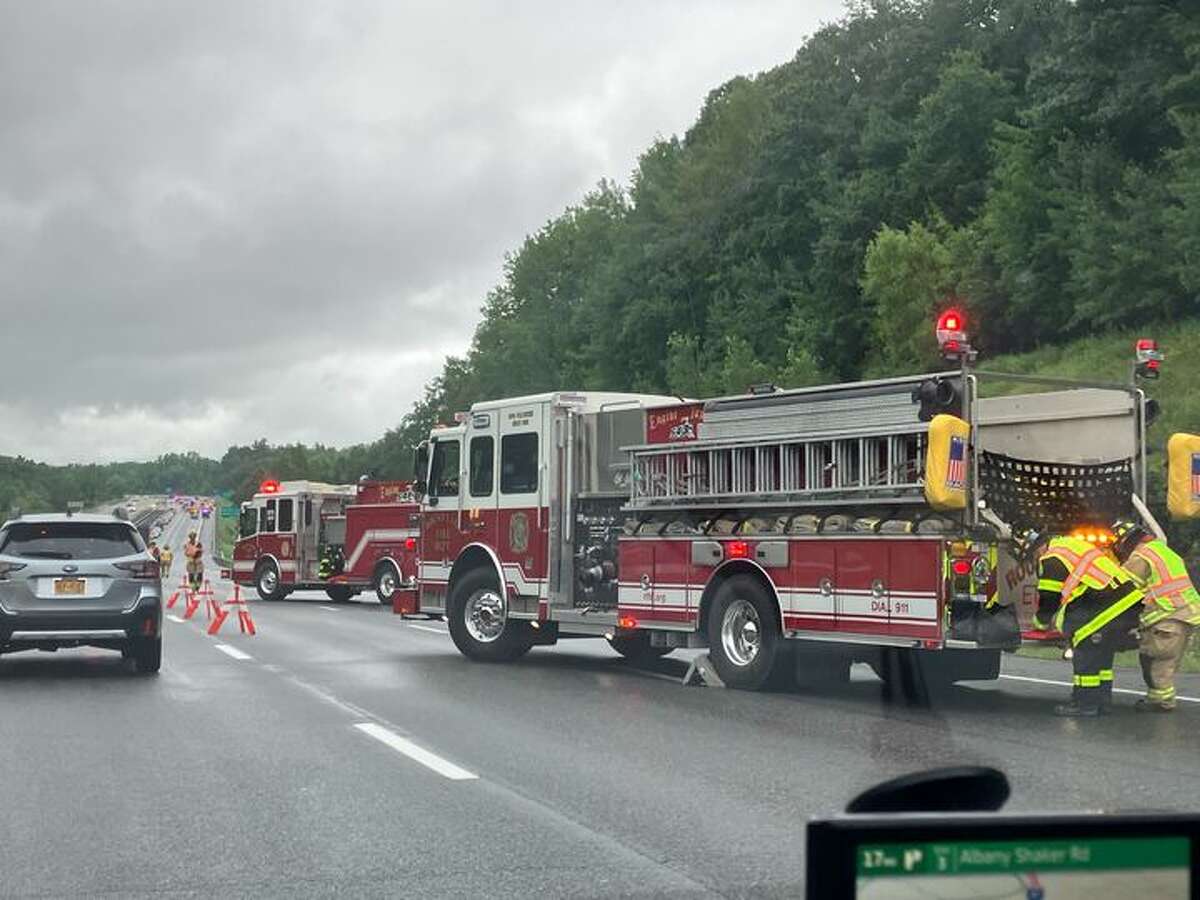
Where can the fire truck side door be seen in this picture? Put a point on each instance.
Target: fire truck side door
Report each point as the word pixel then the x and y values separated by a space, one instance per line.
pixel 480 502
pixel 307 558
pixel 522 520
pixel 441 510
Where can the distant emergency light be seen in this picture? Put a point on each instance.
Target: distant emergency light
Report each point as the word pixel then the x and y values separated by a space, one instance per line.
pixel 1148 358
pixel 270 486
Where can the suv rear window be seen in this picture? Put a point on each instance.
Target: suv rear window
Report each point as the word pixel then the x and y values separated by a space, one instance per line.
pixel 70 540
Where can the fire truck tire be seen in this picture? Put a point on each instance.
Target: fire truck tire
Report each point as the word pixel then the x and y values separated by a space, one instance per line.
pixel 637 647
pixel 267 582
pixel 339 593
pixel 477 615
pixel 387 582
pixel 745 644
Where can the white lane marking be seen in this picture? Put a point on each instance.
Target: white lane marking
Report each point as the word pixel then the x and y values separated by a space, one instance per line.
pixel 1116 690
pixel 427 628
pixel 331 608
pixel 232 651
pixel 175 618
pixel 415 753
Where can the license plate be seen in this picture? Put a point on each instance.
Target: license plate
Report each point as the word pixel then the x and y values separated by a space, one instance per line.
pixel 68 586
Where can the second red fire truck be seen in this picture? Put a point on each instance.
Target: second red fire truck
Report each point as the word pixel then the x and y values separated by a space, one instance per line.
pixel 341 539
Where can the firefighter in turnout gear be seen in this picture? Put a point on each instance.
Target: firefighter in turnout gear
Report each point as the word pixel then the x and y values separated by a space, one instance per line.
pixel 165 558
pixel 1169 615
pixel 193 552
pixel 1087 596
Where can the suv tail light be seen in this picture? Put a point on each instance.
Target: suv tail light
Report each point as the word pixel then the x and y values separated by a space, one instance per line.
pixel 143 569
pixel 6 567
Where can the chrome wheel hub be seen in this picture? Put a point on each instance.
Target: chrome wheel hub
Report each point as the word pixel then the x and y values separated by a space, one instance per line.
pixel 268 580
pixel 387 583
pixel 485 616
pixel 741 633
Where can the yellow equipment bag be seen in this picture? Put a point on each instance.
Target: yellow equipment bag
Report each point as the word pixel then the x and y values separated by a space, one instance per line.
pixel 1183 476
pixel 946 463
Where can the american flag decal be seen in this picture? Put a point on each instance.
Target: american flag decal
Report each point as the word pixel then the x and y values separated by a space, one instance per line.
pixel 1196 476
pixel 956 468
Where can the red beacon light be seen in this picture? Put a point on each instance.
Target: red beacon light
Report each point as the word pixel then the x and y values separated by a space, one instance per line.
pixel 951 332
pixel 1148 358
pixel 270 486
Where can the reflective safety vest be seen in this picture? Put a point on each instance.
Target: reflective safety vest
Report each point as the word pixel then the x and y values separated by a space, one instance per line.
pixel 1088 568
pixel 1169 591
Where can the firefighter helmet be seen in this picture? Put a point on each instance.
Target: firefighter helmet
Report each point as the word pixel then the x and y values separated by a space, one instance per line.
pixel 1026 544
pixel 1126 536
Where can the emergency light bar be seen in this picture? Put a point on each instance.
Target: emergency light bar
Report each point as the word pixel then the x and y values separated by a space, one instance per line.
pixel 270 486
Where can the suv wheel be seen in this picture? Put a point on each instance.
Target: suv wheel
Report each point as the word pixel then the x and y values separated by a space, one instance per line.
pixel 147 655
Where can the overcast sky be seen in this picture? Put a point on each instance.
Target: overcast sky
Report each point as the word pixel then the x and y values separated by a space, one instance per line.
pixel 228 220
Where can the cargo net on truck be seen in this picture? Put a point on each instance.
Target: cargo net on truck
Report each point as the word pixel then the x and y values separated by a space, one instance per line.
pixel 1055 498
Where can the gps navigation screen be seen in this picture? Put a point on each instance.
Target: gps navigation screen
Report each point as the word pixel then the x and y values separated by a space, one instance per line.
pixel 1087 869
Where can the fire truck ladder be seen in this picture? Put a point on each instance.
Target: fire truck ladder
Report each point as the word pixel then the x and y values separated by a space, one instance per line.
pixel 852 443
pixel 817 469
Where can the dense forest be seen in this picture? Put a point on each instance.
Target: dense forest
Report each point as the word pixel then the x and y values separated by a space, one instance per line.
pixel 1036 161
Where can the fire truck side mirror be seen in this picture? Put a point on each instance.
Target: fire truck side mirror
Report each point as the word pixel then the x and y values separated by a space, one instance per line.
pixel 420 466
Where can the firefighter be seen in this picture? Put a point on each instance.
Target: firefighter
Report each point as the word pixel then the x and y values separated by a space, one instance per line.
pixel 1170 612
pixel 193 550
pixel 165 558
pixel 1094 603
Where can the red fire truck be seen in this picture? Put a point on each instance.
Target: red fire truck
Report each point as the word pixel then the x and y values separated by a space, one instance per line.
pixel 341 539
pixel 789 532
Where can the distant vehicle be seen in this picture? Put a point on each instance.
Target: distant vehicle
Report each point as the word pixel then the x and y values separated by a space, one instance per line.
pixel 79 580
pixel 342 539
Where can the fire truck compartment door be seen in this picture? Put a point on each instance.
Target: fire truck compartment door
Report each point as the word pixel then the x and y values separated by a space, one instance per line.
pixel 863 602
pixel 812 604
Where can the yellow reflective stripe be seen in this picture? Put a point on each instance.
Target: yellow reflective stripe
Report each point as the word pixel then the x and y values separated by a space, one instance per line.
pixel 1089 681
pixel 1050 584
pixel 1106 674
pixel 1131 599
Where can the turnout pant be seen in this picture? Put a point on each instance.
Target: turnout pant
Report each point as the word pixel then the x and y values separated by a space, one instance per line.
pixel 1162 648
pixel 1094 647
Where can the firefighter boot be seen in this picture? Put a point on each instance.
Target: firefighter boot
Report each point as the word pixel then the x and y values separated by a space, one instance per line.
pixel 1157 700
pixel 1086 698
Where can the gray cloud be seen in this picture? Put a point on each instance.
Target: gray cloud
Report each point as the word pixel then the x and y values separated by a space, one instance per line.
pixel 226 220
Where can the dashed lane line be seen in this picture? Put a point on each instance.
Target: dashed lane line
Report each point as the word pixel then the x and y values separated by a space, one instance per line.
pixel 1068 684
pixel 331 608
pixel 175 618
pixel 406 747
pixel 233 651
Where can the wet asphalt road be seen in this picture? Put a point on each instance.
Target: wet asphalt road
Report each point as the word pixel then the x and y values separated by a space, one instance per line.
pixel 282 765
